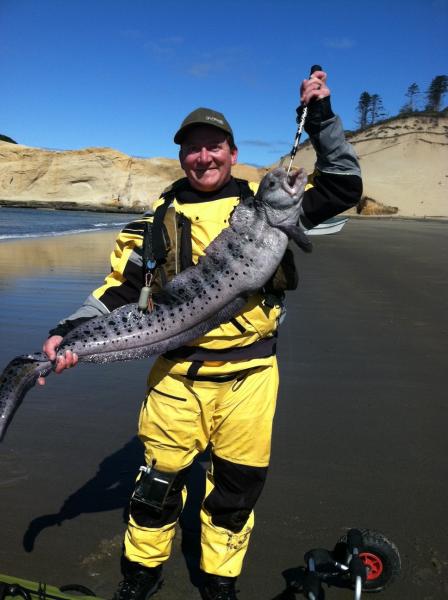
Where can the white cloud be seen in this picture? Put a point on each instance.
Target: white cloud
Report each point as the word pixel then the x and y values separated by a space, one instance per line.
pixel 132 34
pixel 201 70
pixel 263 143
pixel 442 4
pixel 212 64
pixel 339 43
pixel 164 47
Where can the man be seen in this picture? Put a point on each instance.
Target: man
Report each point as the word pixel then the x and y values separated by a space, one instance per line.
pixel 221 390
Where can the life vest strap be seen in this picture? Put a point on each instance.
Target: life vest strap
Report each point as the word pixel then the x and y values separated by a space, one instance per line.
pixel 261 349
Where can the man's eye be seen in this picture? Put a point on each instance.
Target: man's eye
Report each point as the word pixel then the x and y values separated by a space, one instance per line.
pixel 197 149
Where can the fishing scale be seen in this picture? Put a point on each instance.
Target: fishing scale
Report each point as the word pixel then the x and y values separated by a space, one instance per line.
pixel 302 112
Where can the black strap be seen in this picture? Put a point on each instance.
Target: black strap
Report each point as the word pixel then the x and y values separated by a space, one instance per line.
pixel 186 249
pixel 158 243
pixel 193 369
pixel 238 325
pixel 148 254
pixel 261 349
pixel 237 375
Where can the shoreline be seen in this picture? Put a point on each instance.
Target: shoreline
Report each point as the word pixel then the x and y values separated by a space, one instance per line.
pixel 69 206
pixel 105 209
pixel 431 218
pixel 62 234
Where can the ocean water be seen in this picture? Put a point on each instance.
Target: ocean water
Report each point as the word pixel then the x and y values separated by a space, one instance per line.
pixel 17 223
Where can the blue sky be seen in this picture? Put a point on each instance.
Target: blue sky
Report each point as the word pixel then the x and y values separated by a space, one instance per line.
pixel 124 73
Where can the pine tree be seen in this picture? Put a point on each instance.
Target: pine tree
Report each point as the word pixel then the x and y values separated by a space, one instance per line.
pixel 411 104
pixel 376 110
pixel 436 91
pixel 363 109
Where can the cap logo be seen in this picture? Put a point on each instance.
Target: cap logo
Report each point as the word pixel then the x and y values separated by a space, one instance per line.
pixel 210 118
pixel 205 116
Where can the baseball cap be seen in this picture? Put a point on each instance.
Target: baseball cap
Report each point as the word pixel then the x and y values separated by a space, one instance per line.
pixel 203 116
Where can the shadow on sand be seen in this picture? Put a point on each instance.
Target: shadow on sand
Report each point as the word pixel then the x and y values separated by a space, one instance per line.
pixel 111 488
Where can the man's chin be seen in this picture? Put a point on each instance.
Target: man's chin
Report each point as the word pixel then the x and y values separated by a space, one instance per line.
pixel 206 182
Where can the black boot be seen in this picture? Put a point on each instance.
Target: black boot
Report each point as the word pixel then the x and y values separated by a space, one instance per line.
pixel 139 583
pixel 216 587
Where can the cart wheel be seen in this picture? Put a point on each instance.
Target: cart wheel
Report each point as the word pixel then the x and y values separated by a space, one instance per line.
pixel 381 558
pixel 78 589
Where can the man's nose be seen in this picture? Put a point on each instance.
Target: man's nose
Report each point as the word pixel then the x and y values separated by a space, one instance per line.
pixel 204 155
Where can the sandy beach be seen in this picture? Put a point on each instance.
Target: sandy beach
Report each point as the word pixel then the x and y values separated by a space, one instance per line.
pixel 360 432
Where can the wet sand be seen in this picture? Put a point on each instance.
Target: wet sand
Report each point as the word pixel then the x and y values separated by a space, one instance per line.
pixel 360 432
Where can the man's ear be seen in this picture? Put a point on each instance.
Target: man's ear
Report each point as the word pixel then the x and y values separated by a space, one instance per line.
pixel 234 155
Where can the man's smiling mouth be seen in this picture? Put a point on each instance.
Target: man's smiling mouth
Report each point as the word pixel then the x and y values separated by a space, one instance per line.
pixel 200 172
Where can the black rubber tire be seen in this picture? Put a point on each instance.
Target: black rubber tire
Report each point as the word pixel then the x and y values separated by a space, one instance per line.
pixel 82 590
pixel 382 556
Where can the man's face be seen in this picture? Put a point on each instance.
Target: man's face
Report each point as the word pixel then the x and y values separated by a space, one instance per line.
pixel 206 158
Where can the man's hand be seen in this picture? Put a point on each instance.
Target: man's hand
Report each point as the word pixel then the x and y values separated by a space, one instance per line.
pixel 63 362
pixel 314 88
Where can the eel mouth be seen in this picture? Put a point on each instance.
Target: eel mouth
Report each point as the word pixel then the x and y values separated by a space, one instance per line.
pixel 294 181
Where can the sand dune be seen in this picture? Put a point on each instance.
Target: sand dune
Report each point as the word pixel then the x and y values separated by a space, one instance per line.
pixel 404 164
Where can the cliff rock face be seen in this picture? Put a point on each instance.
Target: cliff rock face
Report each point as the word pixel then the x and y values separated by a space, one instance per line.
pixel 404 164
pixel 99 178
pixel 94 178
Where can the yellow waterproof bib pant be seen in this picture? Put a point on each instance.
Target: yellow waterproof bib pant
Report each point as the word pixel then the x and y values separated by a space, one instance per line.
pixel 178 420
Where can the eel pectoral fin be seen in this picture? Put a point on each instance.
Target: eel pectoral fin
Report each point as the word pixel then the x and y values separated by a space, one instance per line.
pixel 298 235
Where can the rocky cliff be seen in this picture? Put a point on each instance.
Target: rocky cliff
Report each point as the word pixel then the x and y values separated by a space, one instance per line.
pixel 94 178
pixel 404 163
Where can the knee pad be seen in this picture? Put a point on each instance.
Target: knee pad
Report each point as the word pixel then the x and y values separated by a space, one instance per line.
pixel 237 489
pixel 157 497
pixel 154 487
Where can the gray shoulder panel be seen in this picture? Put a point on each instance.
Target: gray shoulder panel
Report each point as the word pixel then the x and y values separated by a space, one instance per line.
pixel 334 154
pixel 90 308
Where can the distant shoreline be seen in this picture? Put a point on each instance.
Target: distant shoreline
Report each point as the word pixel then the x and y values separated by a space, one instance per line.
pixel 21 223
pixel 72 206
pixel 433 218
pixel 59 205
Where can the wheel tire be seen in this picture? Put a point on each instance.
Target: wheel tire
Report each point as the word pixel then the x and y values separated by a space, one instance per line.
pixel 78 589
pixel 381 557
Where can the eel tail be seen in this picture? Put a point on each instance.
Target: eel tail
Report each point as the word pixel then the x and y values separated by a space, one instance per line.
pixel 18 377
